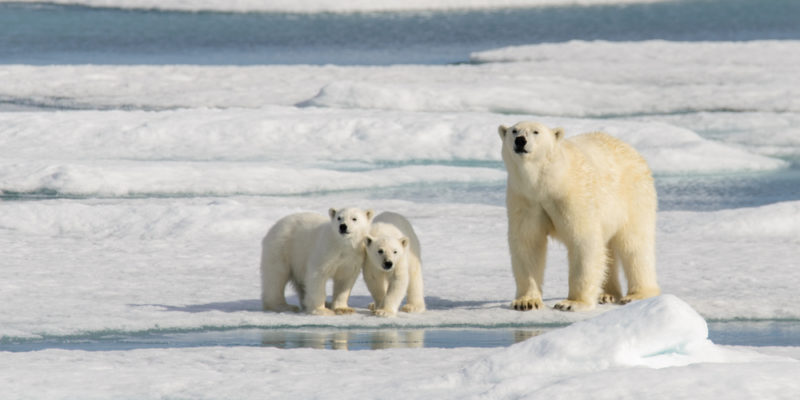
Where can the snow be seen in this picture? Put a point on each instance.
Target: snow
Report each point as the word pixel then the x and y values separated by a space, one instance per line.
pixel 135 199
pixel 318 6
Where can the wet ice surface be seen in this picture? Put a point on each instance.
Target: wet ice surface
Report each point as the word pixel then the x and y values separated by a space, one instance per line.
pixel 739 333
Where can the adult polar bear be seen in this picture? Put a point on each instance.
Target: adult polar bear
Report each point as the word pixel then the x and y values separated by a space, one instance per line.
pixel 592 192
pixel 308 249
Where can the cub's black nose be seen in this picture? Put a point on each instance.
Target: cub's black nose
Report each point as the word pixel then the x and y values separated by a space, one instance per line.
pixel 519 144
pixel 343 228
pixel 387 265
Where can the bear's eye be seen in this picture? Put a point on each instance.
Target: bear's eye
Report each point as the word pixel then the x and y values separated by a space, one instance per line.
pixel 535 132
pixel 395 252
pixel 355 219
pixel 380 251
pixel 514 131
pixel 338 218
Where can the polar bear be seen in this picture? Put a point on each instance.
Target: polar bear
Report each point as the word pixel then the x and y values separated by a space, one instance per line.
pixel 593 193
pixel 307 249
pixel 393 266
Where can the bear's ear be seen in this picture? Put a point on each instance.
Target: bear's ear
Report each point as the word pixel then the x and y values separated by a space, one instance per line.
pixel 559 132
pixel 368 240
pixel 370 214
pixel 332 212
pixel 501 130
pixel 404 242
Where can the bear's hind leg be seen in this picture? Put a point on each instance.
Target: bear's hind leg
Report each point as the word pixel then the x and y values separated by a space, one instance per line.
pixel 587 265
pixel 612 291
pixel 274 277
pixel 637 253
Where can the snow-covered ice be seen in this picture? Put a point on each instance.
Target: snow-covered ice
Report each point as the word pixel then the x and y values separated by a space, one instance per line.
pixel 134 199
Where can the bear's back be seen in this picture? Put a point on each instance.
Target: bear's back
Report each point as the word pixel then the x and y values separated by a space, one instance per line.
pixel 296 233
pixel 402 225
pixel 607 152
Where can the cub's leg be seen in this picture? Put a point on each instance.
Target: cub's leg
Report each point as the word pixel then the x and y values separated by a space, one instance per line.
pixel 275 274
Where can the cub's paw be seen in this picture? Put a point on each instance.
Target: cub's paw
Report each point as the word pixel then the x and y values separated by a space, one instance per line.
pixel 412 308
pixel 322 311
pixel 343 310
pixel 383 313
pixel 573 305
pixel 371 306
pixel 607 298
pixel 526 303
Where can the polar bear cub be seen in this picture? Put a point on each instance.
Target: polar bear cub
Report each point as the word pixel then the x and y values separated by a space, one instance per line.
pixel 308 249
pixel 592 192
pixel 393 267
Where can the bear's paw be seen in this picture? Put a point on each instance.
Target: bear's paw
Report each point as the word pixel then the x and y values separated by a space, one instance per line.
pixel 573 305
pixel 383 313
pixel 344 310
pixel 322 311
pixel 527 303
pixel 607 298
pixel 412 308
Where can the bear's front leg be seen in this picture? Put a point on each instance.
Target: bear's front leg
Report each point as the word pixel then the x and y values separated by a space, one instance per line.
pixel 377 284
pixel 341 293
pixel 398 284
pixel 528 256
pixel 315 295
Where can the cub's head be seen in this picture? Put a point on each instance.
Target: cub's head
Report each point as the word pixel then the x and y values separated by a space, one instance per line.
pixel 385 251
pixel 351 223
pixel 528 140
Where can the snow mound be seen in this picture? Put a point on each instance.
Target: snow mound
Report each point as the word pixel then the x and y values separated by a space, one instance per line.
pixel 659 332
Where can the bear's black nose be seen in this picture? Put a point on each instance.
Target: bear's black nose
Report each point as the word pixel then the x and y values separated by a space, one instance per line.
pixel 387 265
pixel 343 228
pixel 520 141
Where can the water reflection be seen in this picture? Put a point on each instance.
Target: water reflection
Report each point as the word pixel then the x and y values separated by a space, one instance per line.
pixel 394 338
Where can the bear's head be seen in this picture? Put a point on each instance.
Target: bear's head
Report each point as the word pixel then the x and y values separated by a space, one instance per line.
pixel 385 252
pixel 351 223
pixel 528 140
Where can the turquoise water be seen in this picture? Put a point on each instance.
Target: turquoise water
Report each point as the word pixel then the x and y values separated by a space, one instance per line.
pixel 742 333
pixel 54 34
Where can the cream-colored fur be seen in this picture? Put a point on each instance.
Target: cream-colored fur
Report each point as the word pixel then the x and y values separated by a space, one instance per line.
pixel 393 267
pixel 307 249
pixel 592 192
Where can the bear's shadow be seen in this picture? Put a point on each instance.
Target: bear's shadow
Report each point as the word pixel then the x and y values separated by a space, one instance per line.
pixel 358 302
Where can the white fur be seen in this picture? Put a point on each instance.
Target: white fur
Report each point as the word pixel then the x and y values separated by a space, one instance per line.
pixel 393 240
pixel 592 192
pixel 307 249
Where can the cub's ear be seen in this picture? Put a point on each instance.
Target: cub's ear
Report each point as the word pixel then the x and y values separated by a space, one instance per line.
pixel 501 130
pixel 368 240
pixel 559 132
pixel 404 242
pixel 332 212
pixel 370 214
